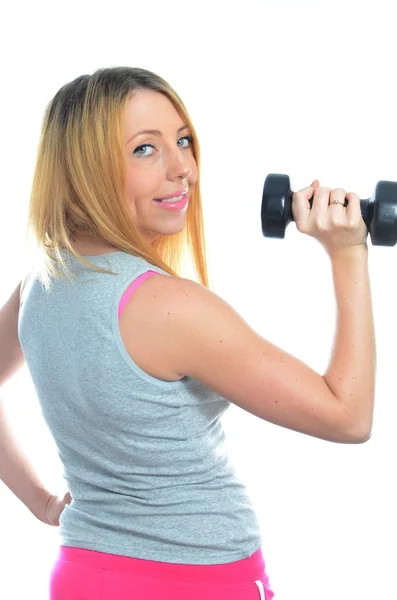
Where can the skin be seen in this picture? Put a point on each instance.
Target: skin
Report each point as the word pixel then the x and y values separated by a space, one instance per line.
pixel 157 165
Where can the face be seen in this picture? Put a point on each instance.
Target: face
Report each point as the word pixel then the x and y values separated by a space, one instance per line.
pixel 158 164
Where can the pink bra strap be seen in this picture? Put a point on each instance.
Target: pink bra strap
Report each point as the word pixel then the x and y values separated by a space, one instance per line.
pixel 128 293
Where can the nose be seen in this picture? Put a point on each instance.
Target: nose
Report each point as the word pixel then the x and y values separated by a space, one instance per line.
pixel 185 172
pixel 178 165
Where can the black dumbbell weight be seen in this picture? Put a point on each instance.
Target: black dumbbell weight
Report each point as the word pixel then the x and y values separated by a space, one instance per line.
pixel 379 212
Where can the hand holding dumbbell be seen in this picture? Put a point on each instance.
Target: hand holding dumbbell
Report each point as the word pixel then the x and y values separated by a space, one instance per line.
pixel 379 212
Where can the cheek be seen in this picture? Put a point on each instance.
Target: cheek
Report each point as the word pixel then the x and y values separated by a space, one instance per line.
pixel 142 184
pixel 134 187
pixel 139 191
pixel 194 171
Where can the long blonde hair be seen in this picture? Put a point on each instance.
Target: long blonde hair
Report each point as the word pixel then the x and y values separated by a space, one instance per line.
pixel 78 182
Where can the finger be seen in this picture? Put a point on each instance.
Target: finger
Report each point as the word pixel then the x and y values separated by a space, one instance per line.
pixel 320 201
pixel 353 209
pixel 315 184
pixel 300 203
pixel 339 195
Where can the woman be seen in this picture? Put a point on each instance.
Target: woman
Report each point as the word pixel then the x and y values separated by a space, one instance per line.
pixel 134 365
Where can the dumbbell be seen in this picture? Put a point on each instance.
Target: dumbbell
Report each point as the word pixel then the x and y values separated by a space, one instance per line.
pixel 379 212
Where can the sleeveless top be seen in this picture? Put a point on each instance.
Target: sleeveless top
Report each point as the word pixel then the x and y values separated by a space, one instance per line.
pixel 144 459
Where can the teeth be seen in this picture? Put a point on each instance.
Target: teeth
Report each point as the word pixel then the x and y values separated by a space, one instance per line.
pixel 174 199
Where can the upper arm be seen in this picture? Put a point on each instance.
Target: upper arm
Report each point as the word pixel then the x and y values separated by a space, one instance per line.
pixel 204 338
pixel 11 355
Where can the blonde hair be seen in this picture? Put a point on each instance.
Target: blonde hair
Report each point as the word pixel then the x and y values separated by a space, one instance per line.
pixel 79 178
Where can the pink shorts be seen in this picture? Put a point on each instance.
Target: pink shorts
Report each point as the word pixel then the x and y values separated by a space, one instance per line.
pixel 80 574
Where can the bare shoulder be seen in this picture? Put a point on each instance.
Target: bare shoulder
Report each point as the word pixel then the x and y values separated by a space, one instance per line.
pixel 11 355
pixel 194 332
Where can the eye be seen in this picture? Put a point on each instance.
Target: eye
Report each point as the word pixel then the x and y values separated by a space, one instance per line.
pixel 138 150
pixel 187 137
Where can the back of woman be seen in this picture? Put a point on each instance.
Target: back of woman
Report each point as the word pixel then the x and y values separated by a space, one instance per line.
pixel 144 458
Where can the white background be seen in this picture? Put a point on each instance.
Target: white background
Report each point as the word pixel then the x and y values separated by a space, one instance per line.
pixel 304 88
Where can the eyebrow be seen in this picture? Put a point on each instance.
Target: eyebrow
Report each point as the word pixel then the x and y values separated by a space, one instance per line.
pixel 154 132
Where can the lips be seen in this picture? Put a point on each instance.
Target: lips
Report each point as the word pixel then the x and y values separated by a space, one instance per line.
pixel 174 195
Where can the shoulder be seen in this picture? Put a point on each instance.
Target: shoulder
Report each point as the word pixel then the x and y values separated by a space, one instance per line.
pixel 184 322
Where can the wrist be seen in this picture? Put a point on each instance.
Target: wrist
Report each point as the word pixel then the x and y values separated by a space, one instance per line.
pixel 38 505
pixel 346 253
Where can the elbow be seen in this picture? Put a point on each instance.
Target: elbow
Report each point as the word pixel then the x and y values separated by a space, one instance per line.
pixel 359 433
pixel 355 422
pixel 361 437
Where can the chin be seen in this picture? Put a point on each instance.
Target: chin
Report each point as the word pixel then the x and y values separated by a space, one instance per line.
pixel 154 236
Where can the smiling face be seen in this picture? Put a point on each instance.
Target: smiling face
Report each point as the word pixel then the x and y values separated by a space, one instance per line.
pixel 158 164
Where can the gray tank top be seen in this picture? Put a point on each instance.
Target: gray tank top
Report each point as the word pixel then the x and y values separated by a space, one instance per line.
pixel 144 459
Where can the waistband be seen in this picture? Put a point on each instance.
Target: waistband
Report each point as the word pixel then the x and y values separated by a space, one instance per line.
pixel 240 571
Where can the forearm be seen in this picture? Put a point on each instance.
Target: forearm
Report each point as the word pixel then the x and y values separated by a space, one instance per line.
pixel 17 474
pixel 352 369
